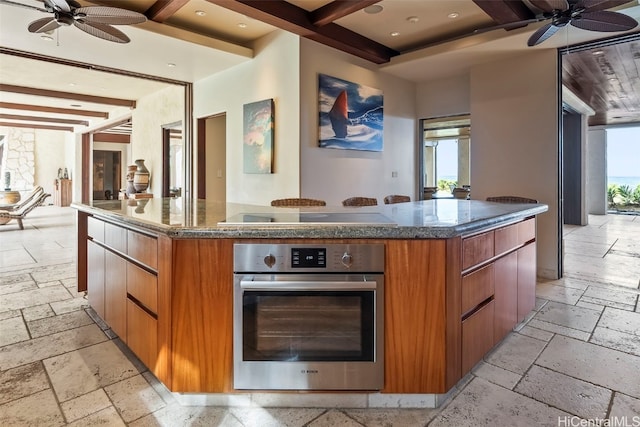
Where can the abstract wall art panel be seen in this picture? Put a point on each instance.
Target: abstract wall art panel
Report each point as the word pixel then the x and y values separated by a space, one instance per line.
pixel 258 122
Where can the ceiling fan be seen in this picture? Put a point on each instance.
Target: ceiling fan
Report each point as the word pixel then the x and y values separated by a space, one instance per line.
pixel 585 14
pixel 94 20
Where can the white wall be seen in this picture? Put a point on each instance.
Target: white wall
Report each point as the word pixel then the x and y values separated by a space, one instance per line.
pixel 514 139
pixel 50 154
pixel 334 175
pixel 273 73
pixel 153 111
pixel 444 97
pixel 596 156
pixel 216 183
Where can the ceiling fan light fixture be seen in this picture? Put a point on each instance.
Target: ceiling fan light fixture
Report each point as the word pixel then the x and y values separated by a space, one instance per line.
pixel 242 25
pixel 200 13
pixel 413 19
pixel 46 37
pixel 394 33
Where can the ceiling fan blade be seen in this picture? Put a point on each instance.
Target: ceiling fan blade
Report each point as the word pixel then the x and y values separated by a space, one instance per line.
pixel 550 5
pixel 604 21
pixel 103 31
pixel 109 15
pixel 43 25
pixel 593 5
pixel 26 6
pixel 542 34
pixel 58 5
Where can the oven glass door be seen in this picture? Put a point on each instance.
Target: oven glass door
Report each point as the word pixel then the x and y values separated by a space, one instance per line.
pixel 308 325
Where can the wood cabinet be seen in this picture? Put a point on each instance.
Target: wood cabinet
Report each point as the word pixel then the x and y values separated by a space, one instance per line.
pixel 447 301
pixel 62 192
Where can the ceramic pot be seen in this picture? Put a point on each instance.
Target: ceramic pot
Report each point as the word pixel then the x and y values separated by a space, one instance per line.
pixel 7 180
pixel 141 177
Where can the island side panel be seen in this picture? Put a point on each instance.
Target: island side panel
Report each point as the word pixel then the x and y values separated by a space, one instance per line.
pixel 453 304
pixel 163 364
pixel 202 316
pixel 415 316
pixel 81 251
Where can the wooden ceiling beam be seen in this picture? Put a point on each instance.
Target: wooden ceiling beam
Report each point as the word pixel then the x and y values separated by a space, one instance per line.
pixel 44 119
pixel 68 95
pixel 42 109
pixel 118 138
pixel 338 9
pixel 289 17
pixel 32 126
pixel 505 11
pixel 162 10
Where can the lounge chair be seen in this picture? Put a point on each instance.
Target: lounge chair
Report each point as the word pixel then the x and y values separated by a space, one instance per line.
pixel 36 192
pixel 21 212
pixel 360 201
pixel 297 202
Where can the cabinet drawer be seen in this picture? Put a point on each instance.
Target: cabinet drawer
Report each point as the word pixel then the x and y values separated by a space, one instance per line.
pixel 95 229
pixel 527 231
pixel 142 335
pixel 477 336
pixel 477 249
pixel 506 238
pixel 142 248
pixel 477 287
pixel 115 237
pixel 143 286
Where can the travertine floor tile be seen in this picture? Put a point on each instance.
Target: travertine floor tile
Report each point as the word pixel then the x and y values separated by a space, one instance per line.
pixel 625 407
pixel 8 279
pixel 37 312
pixel 482 403
pixel 391 417
pixel 334 417
pixel 16 257
pixel 516 353
pixel 39 409
pixel 22 381
pixel 592 363
pixel 85 405
pixel 276 417
pixel 106 417
pixel 558 293
pixel 64 322
pixel 532 332
pixel 55 272
pixel 134 398
pixel 496 375
pixel 68 305
pixel 616 340
pixel 11 288
pixel 82 371
pixel 612 294
pixel 204 416
pixel 620 320
pixel 595 249
pixel 566 393
pixel 12 330
pixel 18 300
pixel 9 314
pixel 44 347
pixel 582 319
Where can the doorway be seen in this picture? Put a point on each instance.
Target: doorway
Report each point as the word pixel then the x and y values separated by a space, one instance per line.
pixel 212 158
pixel 107 167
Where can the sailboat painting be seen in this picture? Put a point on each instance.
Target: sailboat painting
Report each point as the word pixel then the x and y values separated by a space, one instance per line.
pixel 350 115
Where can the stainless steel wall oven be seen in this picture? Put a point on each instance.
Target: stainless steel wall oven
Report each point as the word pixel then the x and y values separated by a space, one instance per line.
pixel 308 317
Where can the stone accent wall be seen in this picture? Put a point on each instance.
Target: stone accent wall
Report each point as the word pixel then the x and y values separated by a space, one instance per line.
pixel 19 158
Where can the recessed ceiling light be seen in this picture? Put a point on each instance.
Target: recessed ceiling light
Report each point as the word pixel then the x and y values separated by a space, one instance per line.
pixel 394 34
pixel 453 15
pixel 413 19
pixel 597 52
pixel 373 9
pixel 171 64
pixel 72 84
pixel 242 25
pixel 76 105
pixel 201 13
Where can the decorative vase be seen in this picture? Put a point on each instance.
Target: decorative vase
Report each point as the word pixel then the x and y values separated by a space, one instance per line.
pixel 7 181
pixel 141 177
pixel 131 170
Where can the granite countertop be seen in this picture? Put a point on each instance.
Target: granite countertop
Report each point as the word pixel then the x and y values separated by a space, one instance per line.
pixel 436 218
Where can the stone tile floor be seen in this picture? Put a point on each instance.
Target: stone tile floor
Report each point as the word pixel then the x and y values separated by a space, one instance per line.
pixel 576 358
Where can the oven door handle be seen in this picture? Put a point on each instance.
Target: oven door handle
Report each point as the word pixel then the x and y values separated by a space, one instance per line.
pixel 274 285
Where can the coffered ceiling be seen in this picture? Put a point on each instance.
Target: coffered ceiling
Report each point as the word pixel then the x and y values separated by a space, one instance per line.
pixel 186 40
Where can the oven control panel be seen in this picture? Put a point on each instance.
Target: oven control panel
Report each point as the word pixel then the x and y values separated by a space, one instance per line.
pixel 330 258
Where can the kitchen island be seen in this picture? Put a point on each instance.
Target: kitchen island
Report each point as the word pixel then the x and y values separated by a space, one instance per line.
pixel 458 276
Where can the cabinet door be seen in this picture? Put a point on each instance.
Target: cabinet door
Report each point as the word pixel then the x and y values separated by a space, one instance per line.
pixel 115 295
pixel 142 335
pixel 95 277
pixel 506 295
pixel 526 280
pixel 477 336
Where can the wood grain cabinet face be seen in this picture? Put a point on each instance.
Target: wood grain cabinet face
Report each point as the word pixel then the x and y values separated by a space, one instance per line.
pixel 115 237
pixel 526 231
pixel 115 296
pixel 526 280
pixel 506 295
pixel 95 229
pixel 143 248
pixel 95 277
pixel 506 239
pixel 142 334
pixel 477 249
pixel 477 287
pixel 143 286
pixel 477 336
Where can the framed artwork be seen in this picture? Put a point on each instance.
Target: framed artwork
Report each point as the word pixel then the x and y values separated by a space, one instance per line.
pixel 257 154
pixel 351 115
